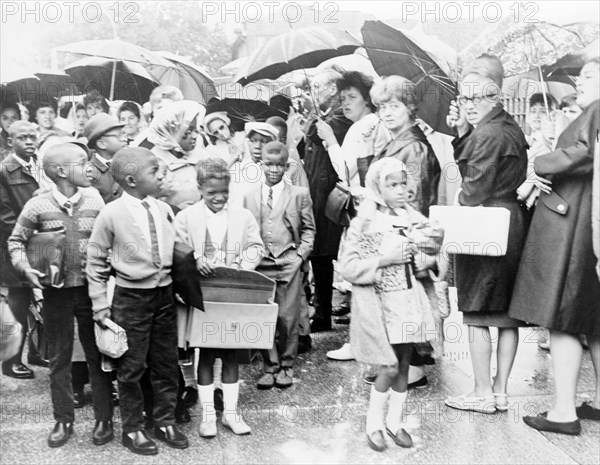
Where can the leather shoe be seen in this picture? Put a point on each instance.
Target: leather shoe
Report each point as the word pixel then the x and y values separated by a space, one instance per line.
pixel 17 370
pixel 342 320
pixel 376 441
pixel 541 423
pixel 37 360
pixel 60 434
pixel 172 437
pixel 320 325
pixel 266 381
pixel 103 432
pixel 284 378
pixel 78 399
pixel 586 412
pixel 341 310
pixel 190 396
pixel 140 443
pixel 304 344
pixel 401 438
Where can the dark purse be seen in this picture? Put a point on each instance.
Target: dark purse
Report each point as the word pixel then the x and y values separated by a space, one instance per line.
pixel 340 205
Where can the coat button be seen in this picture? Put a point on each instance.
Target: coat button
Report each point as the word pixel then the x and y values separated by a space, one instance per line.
pixel 561 208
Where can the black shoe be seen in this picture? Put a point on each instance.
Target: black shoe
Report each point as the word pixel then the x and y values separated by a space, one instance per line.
pixel 418 383
pixel 190 396
pixel 17 370
pixel 320 325
pixel 587 412
pixel 78 399
pixel 103 432
pixel 541 423
pixel 37 360
pixel 172 437
pixel 342 320
pixel 304 344
pixel 182 415
pixel 60 434
pixel 140 444
pixel 341 310
pixel 370 379
pixel 376 441
pixel 401 437
pixel 218 400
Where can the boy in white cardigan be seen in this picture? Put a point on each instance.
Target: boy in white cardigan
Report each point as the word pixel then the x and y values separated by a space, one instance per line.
pixel 134 236
pixel 221 234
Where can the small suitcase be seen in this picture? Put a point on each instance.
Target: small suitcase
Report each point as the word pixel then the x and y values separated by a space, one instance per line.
pixel 239 311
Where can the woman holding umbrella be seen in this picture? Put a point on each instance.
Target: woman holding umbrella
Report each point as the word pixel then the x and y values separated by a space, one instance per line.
pixel 174 133
pixel 491 153
pixel 560 289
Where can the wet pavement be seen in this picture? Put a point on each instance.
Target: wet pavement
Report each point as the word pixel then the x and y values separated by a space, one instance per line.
pixel 320 419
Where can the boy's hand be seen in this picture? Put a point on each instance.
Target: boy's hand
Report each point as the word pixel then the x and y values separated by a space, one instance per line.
pixel 33 277
pixel 100 316
pixel 422 263
pixel 204 268
pixel 395 250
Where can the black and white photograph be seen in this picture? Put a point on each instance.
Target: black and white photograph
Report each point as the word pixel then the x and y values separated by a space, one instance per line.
pixel 299 232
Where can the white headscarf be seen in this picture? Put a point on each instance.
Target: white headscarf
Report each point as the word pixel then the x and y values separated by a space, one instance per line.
pixel 172 121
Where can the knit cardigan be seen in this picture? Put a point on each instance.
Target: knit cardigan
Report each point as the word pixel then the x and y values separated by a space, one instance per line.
pixel 44 214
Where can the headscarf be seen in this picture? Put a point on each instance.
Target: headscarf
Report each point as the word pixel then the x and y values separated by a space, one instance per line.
pixel 172 121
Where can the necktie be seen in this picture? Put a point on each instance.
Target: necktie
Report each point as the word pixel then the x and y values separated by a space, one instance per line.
pixel 270 201
pixel 153 235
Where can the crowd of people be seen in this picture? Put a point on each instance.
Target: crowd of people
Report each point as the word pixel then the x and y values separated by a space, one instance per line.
pixel 125 187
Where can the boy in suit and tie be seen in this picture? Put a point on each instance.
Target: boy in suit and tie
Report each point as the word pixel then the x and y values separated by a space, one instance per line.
pixel 105 137
pixel 287 227
pixel 73 209
pixel 134 236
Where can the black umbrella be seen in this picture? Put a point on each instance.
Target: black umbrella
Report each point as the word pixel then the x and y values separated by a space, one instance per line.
pixel 131 80
pixel 242 111
pixel 393 53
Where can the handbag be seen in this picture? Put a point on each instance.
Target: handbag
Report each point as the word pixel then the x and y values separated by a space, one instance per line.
pixel 473 230
pixel 45 252
pixel 340 205
pixel 112 339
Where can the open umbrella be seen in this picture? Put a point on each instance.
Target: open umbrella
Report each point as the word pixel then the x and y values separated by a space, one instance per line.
pixel 242 111
pixel 191 79
pixel 296 49
pixel 393 53
pixel 117 51
pixel 570 64
pixel 121 79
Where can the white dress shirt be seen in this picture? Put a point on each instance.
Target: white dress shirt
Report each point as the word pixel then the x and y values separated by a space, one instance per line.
pixel 216 224
pixel 140 218
pixel 277 191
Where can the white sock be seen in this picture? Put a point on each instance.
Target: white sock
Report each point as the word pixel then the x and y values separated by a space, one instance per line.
pixel 394 420
pixel 231 392
pixel 376 411
pixel 206 398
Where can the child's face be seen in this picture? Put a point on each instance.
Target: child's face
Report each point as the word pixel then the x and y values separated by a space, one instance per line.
pixel 536 116
pixel 256 142
pixel 149 177
pixel 78 169
pixel 274 165
pixel 165 186
pixel 215 193
pixel 25 142
pixel 572 112
pixel 394 190
pixel 93 109
pixel 81 118
pixel 8 117
pixel 189 140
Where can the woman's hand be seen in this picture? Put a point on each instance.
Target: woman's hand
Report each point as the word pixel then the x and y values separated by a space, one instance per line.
pixel 542 183
pixel 295 127
pixel 326 133
pixel 456 119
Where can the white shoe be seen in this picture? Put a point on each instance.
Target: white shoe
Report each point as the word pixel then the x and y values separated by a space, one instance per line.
pixel 342 354
pixel 208 427
pixel 236 424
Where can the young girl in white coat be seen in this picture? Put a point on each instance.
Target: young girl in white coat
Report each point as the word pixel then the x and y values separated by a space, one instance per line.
pixel 390 310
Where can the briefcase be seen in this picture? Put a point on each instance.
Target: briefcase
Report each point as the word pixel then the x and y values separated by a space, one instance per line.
pixel 239 311
pixel 45 252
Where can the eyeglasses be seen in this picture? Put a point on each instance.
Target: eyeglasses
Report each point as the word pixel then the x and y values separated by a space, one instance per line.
pixel 476 99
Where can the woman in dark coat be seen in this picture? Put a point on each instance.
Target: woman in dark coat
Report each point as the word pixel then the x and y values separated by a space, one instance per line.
pixel 491 153
pixel 557 286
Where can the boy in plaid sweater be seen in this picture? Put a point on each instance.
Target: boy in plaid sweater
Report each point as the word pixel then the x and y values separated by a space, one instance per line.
pixel 72 209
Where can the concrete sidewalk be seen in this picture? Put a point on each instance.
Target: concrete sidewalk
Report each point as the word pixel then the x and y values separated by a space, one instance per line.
pixel 320 419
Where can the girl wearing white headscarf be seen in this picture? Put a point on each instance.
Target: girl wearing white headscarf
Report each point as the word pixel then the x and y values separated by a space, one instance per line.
pixel 390 310
pixel 174 133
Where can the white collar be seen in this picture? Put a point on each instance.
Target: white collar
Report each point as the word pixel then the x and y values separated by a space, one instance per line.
pixel 62 199
pixel 209 213
pixel 102 159
pixel 135 201
pixel 277 188
pixel 24 163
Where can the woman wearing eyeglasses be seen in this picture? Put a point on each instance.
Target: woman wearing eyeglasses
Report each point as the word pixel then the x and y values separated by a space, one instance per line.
pixel 491 153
